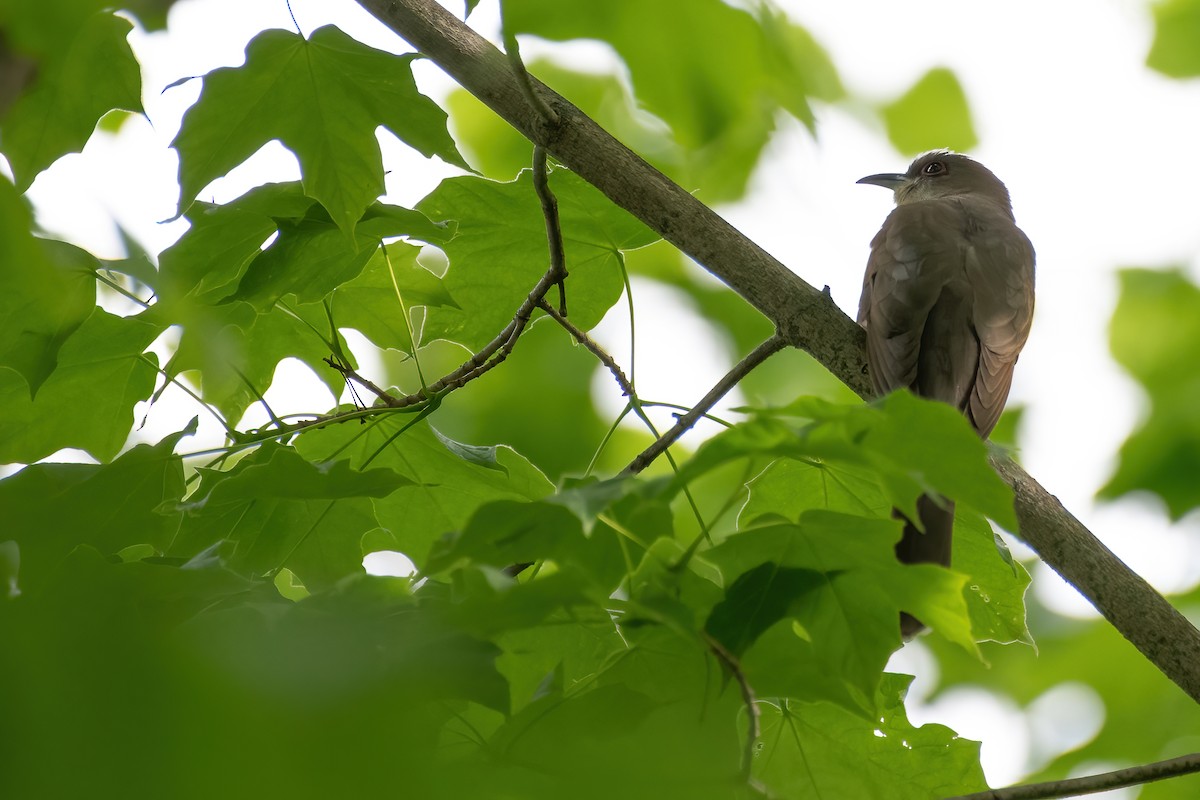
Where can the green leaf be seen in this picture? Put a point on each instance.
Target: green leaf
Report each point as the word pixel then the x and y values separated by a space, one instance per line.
pixel 47 290
pixel 116 653
pixel 279 510
pixel 720 110
pixel 506 532
pixel 221 243
pixel 996 583
pixel 837 577
pixel 323 98
pixel 102 365
pixel 236 350
pixel 390 285
pixel 500 151
pixel 1154 335
pixel 819 751
pixel 935 446
pixel 572 648
pixel 50 509
pixel 910 446
pixel 10 569
pixel 932 114
pixel 280 472
pixel 1176 47
pixel 760 597
pixel 446 487
pixel 654 720
pixel 87 75
pixel 311 257
pixel 500 251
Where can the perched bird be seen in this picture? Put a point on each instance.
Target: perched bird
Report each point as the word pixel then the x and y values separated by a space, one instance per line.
pixel 947 303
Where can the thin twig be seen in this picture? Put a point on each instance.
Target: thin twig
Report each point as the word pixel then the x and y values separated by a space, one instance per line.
pixel 489 357
pixel 558 258
pixel 599 352
pixel 351 375
pixel 1073 787
pixel 731 663
pixel 684 423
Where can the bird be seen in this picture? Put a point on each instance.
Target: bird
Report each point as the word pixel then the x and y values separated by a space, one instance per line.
pixel 947 305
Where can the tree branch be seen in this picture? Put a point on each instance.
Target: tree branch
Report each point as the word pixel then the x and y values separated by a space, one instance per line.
pixel 804 316
pixel 1073 787
pixel 595 349
pixel 684 422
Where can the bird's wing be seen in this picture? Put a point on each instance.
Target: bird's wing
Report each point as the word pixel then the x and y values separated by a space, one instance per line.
pixel 1000 265
pixel 912 258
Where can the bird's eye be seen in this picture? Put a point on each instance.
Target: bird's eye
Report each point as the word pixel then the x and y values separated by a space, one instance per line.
pixel 934 168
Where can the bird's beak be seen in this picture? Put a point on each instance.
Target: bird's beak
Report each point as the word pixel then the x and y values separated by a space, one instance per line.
pixel 888 180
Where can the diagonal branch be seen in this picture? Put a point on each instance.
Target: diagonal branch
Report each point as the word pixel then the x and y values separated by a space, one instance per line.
pixel 803 316
pixel 1073 787
pixel 685 421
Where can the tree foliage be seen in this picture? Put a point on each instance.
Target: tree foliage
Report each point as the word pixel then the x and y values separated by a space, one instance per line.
pixel 200 624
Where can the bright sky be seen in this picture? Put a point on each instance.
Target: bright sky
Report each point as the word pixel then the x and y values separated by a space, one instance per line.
pixel 1098 153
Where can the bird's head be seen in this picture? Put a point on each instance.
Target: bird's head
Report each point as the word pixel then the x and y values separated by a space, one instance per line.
pixel 941 173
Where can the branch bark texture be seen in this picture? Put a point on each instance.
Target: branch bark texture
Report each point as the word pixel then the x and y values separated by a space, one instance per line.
pixel 1073 787
pixel 804 317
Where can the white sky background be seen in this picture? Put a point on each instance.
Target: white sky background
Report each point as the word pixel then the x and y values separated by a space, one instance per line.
pixel 1100 156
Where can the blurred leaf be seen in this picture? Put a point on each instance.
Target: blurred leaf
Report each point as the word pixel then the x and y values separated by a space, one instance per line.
pixel 653 708
pixel 1085 657
pixel 931 114
pixel 507 532
pixel 1155 334
pixel 720 109
pixel 1176 48
pixel 279 472
pixel 47 290
pixel 1007 432
pixel 238 675
pixel 801 66
pixel 101 361
pixel 89 74
pixel 445 488
pixel 352 88
pixel 278 510
pixel 501 152
pixel 50 509
pixel 500 251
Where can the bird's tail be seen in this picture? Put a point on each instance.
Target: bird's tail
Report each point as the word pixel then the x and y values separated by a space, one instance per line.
pixel 930 547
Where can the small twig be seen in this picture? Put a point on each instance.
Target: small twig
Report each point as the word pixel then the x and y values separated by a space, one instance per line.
pixel 490 356
pixel 351 375
pixel 731 663
pixel 558 258
pixel 1073 787
pixel 599 352
pixel 684 423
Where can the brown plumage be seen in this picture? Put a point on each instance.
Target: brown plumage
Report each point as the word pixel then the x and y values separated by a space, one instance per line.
pixel 947 303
